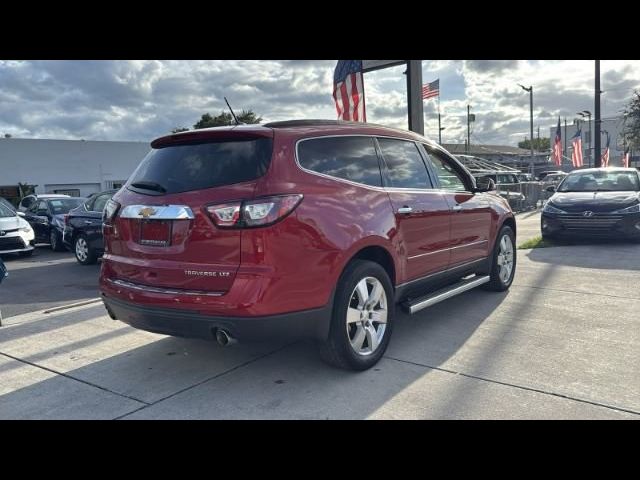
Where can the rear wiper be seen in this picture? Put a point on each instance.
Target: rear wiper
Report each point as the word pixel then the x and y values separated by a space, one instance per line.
pixel 149 186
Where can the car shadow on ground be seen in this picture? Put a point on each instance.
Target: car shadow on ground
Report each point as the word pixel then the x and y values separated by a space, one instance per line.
pixel 613 254
pixel 121 369
pixel 45 280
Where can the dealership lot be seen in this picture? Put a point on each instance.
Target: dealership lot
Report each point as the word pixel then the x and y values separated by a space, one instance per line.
pixel 564 342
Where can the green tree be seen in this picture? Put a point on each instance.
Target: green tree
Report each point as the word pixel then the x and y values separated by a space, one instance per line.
pixel 539 144
pixel 225 118
pixel 632 123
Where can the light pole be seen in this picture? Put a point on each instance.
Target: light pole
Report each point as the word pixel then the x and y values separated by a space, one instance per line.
pixel 587 113
pixel 530 90
pixel 440 134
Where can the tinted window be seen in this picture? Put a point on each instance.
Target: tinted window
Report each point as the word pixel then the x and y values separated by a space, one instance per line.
pixel 60 206
pixel 600 181
pixel 404 163
pixel 100 202
pixel 27 202
pixel 449 178
pixel 351 158
pixel 180 168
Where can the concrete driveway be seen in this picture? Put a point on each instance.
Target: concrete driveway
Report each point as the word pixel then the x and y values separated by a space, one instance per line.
pixel 563 343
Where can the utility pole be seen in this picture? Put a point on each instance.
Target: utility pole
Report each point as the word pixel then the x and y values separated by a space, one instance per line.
pixel 597 163
pixel 530 90
pixel 439 130
pixel 414 96
pixel 468 128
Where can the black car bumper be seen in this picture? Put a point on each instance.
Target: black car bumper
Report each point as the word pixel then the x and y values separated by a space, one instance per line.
pixel 181 323
pixel 596 225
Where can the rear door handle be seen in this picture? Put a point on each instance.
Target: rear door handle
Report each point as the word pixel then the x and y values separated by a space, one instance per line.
pixel 405 209
pixel 457 208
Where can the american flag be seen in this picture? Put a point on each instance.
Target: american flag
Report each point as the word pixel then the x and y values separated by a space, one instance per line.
pixel 431 89
pixel 557 146
pixel 625 158
pixel 605 155
pixel 576 154
pixel 348 90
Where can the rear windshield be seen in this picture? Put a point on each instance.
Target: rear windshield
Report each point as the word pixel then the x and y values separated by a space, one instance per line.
pixel 181 168
pixel 60 206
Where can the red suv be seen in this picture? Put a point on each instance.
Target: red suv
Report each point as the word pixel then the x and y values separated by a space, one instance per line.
pixel 299 228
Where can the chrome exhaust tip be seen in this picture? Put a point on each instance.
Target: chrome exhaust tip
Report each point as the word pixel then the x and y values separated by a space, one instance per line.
pixel 224 338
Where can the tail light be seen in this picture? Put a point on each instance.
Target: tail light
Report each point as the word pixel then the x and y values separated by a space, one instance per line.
pixel 109 212
pixel 260 212
pixel 66 219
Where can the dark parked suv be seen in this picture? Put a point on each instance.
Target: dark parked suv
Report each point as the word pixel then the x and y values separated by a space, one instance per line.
pixel 47 216
pixel 302 228
pixel 83 228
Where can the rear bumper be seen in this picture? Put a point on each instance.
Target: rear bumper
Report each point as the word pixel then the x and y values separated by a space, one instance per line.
pixel 186 323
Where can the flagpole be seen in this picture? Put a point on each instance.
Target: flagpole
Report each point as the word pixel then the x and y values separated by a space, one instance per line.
pixel 439 129
pixel 364 102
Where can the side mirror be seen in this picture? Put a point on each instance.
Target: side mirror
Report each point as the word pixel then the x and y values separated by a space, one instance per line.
pixel 484 184
pixel 551 188
pixel 21 214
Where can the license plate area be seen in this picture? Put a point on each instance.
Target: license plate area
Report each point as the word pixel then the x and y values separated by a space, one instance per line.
pixel 155 233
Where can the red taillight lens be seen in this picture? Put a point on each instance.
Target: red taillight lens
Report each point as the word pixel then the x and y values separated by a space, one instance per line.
pixel 226 214
pixel 66 219
pixel 265 211
pixel 254 213
pixel 109 212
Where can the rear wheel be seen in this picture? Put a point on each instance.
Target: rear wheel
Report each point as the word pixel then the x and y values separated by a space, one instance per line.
pixel 55 241
pixel 362 317
pixel 85 255
pixel 503 266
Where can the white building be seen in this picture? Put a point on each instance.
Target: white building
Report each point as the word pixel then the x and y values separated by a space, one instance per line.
pixel 616 147
pixel 74 167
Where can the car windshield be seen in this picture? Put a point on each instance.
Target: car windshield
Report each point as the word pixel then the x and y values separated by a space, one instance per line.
pixel 61 206
pixel 5 211
pixel 620 181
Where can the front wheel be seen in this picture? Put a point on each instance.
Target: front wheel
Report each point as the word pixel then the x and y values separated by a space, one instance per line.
pixel 503 266
pixel 362 317
pixel 85 255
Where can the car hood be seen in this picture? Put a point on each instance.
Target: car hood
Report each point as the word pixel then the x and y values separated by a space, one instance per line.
pixel 594 201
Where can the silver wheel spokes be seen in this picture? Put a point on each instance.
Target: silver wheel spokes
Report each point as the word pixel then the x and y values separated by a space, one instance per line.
pixel 367 316
pixel 505 258
pixel 82 249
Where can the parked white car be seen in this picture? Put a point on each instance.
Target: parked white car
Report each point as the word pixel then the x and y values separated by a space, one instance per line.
pixel 16 235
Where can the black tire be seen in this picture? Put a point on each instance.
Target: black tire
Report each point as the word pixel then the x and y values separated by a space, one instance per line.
pixel 27 254
pixel 549 238
pixel 55 240
pixel 85 255
pixel 498 284
pixel 337 350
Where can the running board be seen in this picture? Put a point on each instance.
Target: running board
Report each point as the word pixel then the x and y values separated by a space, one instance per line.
pixel 415 305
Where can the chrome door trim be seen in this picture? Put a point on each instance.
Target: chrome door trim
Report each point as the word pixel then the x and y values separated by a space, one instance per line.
pixel 450 248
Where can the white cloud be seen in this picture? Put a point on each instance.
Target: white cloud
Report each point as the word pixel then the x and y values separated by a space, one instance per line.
pixel 139 100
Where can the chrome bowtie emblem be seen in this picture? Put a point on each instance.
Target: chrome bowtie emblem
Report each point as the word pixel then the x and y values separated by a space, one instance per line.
pixel 146 212
pixel 588 213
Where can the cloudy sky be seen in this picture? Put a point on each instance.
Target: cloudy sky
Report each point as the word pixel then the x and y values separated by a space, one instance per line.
pixel 140 100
